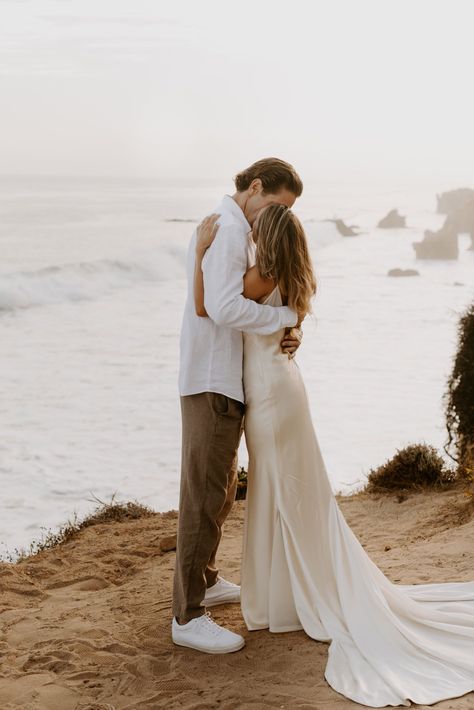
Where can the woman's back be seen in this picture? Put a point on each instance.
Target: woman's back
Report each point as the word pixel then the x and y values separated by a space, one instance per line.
pixel 267 371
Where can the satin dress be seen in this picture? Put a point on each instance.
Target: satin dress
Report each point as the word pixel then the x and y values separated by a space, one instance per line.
pixel 303 567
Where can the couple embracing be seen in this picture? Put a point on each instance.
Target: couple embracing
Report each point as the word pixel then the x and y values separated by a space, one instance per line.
pixel 250 285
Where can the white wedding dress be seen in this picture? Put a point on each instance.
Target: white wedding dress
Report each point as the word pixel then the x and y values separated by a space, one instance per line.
pixel 303 567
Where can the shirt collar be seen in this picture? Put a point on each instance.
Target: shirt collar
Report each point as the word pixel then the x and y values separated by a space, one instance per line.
pixel 231 205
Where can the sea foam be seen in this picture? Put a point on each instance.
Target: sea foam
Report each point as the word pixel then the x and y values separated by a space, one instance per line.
pixel 85 280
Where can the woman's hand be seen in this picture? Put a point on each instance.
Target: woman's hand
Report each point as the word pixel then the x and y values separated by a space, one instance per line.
pixel 206 233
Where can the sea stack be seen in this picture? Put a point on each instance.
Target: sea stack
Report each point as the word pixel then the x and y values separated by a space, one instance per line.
pixel 393 220
pixel 442 244
pixel 454 200
pixel 344 229
pixel 458 206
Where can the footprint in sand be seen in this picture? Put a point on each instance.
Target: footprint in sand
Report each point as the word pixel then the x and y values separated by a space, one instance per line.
pixel 56 662
pixel 85 584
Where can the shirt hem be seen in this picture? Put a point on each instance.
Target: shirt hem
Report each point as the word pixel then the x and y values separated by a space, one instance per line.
pixel 216 389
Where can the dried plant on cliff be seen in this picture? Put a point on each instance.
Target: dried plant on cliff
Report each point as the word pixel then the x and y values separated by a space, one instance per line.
pixel 105 512
pixel 415 467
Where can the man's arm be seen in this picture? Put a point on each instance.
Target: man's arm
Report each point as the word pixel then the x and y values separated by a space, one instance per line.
pixel 224 265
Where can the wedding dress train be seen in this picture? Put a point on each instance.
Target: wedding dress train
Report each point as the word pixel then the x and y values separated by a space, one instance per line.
pixel 303 567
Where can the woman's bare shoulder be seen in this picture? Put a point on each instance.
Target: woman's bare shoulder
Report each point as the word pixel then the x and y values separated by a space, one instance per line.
pixel 256 286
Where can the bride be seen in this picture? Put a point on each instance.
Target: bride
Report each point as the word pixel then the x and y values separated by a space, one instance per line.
pixel 302 566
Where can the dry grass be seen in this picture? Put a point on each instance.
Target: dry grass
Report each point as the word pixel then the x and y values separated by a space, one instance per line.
pixel 415 467
pixel 105 512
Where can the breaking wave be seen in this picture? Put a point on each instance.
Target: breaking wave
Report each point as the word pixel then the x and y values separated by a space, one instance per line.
pixel 85 280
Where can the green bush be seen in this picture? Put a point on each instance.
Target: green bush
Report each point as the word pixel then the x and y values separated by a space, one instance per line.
pixel 241 484
pixel 459 398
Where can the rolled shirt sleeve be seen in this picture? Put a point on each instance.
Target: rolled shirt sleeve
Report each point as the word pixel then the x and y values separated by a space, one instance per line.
pixel 224 265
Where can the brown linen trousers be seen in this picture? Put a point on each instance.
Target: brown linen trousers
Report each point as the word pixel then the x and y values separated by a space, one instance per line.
pixel 212 425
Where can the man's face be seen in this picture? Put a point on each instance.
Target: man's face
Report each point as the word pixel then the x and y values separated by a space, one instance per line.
pixel 257 201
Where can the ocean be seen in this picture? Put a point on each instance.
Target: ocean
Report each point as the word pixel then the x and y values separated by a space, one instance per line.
pixel 91 295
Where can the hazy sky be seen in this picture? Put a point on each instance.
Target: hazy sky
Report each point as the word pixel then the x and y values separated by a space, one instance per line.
pixel 340 88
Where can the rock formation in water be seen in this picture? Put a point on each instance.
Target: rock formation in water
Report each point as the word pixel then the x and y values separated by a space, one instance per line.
pixel 458 205
pixel 452 201
pixel 403 272
pixel 393 220
pixel 442 244
pixel 344 229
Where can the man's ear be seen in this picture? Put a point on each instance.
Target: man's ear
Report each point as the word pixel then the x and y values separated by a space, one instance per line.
pixel 255 186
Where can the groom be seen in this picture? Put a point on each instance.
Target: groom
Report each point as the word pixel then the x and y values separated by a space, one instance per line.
pixel 212 399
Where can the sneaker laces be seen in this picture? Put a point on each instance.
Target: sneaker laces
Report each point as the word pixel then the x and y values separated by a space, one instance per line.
pixel 213 627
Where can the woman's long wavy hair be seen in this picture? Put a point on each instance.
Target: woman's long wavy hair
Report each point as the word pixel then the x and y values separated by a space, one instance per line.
pixel 283 254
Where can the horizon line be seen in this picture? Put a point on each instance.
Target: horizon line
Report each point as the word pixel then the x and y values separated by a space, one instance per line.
pixel 220 179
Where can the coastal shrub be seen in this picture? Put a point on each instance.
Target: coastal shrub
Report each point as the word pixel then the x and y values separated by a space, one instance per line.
pixel 459 398
pixel 466 470
pixel 414 467
pixel 241 484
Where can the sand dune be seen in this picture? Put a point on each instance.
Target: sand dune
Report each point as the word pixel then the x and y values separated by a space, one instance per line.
pixel 86 625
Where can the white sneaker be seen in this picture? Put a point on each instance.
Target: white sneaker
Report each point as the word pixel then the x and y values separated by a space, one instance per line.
pixel 222 592
pixel 203 634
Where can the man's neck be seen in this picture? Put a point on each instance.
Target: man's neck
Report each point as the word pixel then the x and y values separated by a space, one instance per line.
pixel 240 199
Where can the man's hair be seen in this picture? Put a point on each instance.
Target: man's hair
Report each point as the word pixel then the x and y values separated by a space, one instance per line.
pixel 275 175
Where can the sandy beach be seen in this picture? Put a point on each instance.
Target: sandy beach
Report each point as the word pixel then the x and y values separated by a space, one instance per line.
pixel 85 625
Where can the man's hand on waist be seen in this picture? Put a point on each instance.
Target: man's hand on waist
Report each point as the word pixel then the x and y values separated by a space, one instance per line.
pixel 291 341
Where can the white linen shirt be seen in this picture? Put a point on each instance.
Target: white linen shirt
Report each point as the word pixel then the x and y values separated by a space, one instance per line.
pixel 211 349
